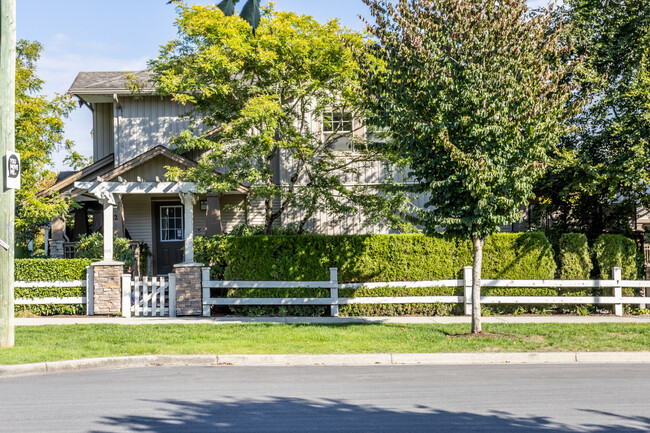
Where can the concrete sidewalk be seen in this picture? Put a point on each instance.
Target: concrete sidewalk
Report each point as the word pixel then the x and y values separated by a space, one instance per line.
pixel 87 320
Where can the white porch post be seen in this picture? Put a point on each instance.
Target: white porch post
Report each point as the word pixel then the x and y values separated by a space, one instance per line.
pixel 108 203
pixel 188 203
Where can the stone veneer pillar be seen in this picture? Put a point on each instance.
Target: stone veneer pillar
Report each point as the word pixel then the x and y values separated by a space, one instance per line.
pixel 56 249
pixel 107 287
pixel 188 289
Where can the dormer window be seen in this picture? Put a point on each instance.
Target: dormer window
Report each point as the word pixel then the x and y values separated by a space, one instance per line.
pixel 338 122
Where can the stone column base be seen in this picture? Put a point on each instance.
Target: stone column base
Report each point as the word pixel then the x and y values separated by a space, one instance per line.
pixel 188 289
pixel 107 287
pixel 56 249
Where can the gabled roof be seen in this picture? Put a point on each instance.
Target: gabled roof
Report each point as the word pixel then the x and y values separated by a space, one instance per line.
pixel 105 169
pixel 108 83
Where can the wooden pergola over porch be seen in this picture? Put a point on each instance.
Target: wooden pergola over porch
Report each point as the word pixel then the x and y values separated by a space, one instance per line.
pixel 106 193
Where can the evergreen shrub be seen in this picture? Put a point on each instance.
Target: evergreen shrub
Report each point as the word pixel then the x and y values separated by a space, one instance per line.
pixel 616 250
pixel 575 264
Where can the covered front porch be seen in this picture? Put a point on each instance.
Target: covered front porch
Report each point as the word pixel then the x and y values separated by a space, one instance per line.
pixel 160 219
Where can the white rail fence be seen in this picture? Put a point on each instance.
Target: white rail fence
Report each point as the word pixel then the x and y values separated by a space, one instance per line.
pixel 68 300
pixel 50 300
pixel 616 284
pixel 149 296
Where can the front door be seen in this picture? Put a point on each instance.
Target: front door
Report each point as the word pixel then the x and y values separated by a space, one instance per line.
pixel 168 232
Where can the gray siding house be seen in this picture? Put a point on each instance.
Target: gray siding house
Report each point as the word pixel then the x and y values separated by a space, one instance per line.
pixel 131 140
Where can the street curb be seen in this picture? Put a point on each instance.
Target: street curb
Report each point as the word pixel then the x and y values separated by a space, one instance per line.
pixel 360 359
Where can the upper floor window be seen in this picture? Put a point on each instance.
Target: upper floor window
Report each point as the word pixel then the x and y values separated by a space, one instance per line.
pixel 338 122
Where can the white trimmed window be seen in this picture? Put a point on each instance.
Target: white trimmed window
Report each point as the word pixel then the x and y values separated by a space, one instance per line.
pixel 338 122
pixel 171 223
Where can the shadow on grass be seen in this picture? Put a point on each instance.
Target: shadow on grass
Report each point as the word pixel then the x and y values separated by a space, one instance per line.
pixel 281 414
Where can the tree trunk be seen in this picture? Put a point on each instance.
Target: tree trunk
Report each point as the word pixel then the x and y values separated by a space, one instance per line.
pixel 476 284
pixel 268 216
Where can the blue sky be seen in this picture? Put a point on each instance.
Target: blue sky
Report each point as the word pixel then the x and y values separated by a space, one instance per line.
pixel 116 35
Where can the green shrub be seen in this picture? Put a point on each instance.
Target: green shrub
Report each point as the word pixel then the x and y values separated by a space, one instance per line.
pixel 575 260
pixel 92 247
pixel 575 264
pixel 383 257
pixel 50 270
pixel 372 258
pixel 615 250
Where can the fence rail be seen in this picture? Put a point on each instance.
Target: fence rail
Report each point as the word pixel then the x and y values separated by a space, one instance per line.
pixel 50 300
pixel 616 284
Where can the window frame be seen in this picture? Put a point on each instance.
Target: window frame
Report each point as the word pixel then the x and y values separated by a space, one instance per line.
pixel 165 227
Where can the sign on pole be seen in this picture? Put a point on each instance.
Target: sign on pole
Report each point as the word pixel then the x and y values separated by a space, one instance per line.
pixel 12 170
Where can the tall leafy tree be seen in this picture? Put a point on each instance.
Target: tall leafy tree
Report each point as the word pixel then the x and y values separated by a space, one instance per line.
pixel 289 93
pixel 475 94
pixel 600 174
pixel 39 133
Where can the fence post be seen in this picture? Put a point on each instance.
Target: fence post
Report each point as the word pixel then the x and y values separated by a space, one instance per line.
pixel 467 286
pixel 205 277
pixel 172 294
pixel 617 291
pixel 334 291
pixel 126 295
pixel 90 291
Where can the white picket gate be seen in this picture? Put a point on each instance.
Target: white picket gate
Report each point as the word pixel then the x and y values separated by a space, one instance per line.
pixel 148 296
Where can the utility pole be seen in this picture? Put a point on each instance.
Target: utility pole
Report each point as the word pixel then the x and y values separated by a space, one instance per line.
pixel 7 144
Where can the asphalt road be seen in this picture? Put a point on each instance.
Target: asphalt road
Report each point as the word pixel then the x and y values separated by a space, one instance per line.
pixel 483 398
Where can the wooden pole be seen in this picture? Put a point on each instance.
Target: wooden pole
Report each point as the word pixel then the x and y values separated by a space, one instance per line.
pixel 7 144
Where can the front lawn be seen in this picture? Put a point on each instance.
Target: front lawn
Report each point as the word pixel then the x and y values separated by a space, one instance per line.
pixel 51 343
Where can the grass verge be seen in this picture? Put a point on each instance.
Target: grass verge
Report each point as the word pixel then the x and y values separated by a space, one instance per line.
pixel 52 343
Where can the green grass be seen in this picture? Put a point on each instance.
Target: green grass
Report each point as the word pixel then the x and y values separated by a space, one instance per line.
pixel 51 343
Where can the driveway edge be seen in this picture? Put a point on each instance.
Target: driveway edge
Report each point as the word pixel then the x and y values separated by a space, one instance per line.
pixel 361 359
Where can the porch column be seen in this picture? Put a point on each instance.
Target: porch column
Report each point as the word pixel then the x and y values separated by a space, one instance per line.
pixel 119 213
pixel 188 203
pixel 213 216
pixel 56 249
pixel 108 201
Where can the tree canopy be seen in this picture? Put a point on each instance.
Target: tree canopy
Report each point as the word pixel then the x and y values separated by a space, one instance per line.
pixel 39 133
pixel 600 174
pixel 289 93
pixel 474 94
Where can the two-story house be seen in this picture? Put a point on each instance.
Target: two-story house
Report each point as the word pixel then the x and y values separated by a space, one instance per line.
pixel 131 137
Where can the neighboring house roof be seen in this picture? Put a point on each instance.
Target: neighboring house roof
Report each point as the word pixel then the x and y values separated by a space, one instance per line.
pixel 109 83
pixel 62 175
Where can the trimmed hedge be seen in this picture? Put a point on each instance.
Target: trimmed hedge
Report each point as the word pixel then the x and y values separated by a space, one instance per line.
pixel 371 258
pixel 383 257
pixel 574 257
pixel 575 264
pixel 50 270
pixel 615 250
